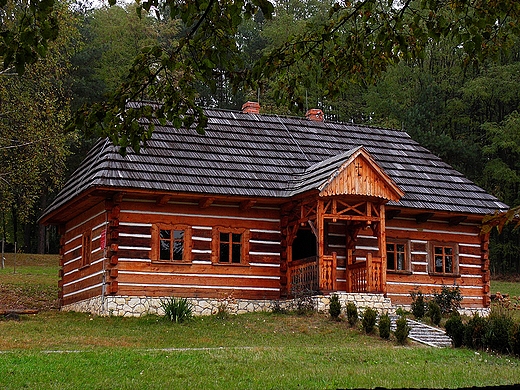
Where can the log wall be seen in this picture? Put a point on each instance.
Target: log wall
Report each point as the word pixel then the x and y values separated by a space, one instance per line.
pixel 257 277
pixel 473 264
pixel 80 280
pixel 126 268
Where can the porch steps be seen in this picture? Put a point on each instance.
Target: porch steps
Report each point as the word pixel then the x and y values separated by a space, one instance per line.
pixel 425 334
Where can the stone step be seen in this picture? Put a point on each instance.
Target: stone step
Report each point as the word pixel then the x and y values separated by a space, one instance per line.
pixel 425 334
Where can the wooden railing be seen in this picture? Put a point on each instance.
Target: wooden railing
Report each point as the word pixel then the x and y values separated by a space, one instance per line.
pixel 366 276
pixel 357 277
pixel 374 274
pixel 302 275
pixel 328 273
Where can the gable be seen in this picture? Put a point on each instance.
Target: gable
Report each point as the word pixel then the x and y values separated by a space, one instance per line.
pixel 360 175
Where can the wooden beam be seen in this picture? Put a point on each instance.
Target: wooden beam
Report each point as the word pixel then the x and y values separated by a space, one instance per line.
pixel 162 200
pixel 247 204
pixel 391 214
pixel 423 217
pixel 118 197
pixel 206 202
pixel 453 221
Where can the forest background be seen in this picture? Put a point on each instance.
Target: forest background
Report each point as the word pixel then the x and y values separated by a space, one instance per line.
pixel 462 108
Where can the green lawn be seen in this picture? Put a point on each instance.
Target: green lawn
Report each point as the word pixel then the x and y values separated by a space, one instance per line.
pixel 262 350
pixel 55 350
pixel 511 288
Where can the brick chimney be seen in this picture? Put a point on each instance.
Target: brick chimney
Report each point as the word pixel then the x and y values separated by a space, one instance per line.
pixel 314 114
pixel 251 108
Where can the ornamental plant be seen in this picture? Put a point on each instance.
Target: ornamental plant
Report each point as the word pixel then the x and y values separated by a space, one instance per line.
pixel 455 329
pixel 177 309
pixel 418 304
pixel 402 330
pixel 334 306
pixel 369 320
pixel 448 299
pixel 434 312
pixel 352 314
pixel 384 326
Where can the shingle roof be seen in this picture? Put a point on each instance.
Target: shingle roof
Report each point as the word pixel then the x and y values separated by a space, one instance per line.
pixel 265 155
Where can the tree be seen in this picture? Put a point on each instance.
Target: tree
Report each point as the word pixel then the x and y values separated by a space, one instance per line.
pixel 33 110
pixel 355 42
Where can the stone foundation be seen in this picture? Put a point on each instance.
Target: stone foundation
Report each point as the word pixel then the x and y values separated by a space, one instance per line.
pixel 132 306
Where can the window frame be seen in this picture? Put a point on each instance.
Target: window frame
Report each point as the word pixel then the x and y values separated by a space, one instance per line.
pixel 215 245
pixel 86 248
pixel 155 254
pixel 455 261
pixel 407 256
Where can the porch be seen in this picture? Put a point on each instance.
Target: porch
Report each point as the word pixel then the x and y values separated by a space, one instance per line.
pixel 313 276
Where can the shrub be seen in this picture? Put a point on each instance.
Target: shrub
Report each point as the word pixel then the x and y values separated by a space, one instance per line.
pixel 401 312
pixel 515 339
pixel 448 299
pixel 474 332
pixel 455 329
pixel 369 320
pixel 499 330
pixel 334 306
pixel 434 312
pixel 402 330
pixel 384 326
pixel 418 304
pixel 352 314
pixel 177 309
pixel 278 309
pixel 304 301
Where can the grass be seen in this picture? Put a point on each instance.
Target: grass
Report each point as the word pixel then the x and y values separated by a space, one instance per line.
pixel 31 282
pixel 261 350
pixel 505 287
pixel 60 350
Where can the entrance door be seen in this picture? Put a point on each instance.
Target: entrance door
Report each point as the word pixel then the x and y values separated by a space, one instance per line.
pixel 304 245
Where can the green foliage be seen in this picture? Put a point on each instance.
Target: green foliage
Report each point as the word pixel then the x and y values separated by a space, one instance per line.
pixel 402 330
pixel 384 326
pixel 434 312
pixel 455 329
pixel 368 320
pixel 34 108
pixel 352 313
pixel 499 329
pixel 418 304
pixel 401 312
pixel 448 299
pixel 474 332
pixel 334 306
pixel 177 309
pixel 515 339
pixel 304 301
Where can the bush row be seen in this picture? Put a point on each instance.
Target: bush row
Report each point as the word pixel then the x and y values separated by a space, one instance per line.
pixel 498 332
pixel 369 320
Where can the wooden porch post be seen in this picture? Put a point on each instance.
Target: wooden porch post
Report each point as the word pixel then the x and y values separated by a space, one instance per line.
pixel 321 249
pixel 382 246
pixel 370 271
pixel 349 271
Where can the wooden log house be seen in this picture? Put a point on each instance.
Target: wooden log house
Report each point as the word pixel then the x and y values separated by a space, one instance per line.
pixel 262 206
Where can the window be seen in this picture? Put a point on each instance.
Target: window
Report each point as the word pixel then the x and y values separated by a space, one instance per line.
pixel 397 256
pixel 86 248
pixel 171 243
pixel 230 246
pixel 444 259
